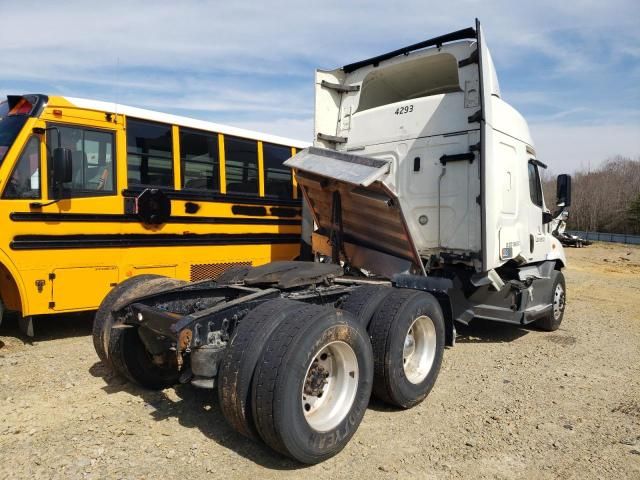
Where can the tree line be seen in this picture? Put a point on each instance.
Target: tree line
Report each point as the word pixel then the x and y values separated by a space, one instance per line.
pixel 606 199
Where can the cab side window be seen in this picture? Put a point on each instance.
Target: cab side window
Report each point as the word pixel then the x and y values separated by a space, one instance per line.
pixel 535 189
pixel 92 154
pixel 25 179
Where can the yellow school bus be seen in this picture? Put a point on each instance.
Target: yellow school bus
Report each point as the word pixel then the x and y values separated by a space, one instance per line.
pixel 92 193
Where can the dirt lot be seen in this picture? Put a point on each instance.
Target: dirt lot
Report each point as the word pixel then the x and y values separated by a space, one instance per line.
pixel 509 403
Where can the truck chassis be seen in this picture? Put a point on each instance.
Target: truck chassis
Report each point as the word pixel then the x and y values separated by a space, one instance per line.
pixel 295 349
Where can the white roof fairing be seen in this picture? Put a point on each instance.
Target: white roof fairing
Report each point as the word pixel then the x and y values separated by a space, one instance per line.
pixel 181 121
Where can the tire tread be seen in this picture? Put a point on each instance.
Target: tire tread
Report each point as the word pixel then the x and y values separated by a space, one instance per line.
pixel 103 315
pixel 379 331
pixel 241 357
pixel 269 369
pixel 364 301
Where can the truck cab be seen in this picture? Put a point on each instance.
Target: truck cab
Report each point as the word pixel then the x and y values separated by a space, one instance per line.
pixel 420 167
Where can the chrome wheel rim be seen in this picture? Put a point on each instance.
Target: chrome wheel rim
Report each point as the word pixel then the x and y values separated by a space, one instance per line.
pixel 419 349
pixel 330 386
pixel 558 301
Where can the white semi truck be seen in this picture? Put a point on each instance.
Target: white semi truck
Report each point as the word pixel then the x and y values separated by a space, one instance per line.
pixel 424 208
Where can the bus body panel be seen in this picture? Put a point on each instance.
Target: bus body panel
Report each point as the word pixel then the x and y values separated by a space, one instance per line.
pixel 65 256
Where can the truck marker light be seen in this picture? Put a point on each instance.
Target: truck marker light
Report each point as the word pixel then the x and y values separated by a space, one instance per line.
pixel 23 107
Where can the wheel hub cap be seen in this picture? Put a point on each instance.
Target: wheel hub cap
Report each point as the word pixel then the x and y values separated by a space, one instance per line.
pixel 330 386
pixel 419 349
pixel 558 301
pixel 316 379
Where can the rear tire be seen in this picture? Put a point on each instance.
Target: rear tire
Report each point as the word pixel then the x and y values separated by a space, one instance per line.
pixel 558 300
pixel 364 301
pixel 408 335
pixel 312 384
pixel 130 358
pixel 241 357
pixel 103 319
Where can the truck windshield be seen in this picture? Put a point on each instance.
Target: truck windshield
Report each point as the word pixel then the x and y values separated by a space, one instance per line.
pixel 10 126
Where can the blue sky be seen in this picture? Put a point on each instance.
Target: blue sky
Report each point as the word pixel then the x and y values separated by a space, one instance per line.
pixel 572 68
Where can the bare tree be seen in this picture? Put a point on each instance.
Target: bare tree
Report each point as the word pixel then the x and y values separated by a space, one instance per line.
pixel 602 198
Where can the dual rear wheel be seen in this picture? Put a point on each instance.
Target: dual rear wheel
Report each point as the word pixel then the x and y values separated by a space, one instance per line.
pixel 407 334
pixel 300 381
pixel 300 376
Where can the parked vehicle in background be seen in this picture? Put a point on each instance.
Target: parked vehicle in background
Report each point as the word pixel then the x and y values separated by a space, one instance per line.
pixel 93 193
pixel 558 228
pixel 423 208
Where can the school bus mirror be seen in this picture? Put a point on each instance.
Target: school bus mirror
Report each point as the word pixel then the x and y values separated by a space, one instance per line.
pixel 62 166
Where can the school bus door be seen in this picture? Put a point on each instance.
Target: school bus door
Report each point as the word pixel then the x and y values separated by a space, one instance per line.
pixel 85 209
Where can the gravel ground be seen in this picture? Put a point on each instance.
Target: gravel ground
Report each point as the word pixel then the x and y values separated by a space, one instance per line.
pixel 509 403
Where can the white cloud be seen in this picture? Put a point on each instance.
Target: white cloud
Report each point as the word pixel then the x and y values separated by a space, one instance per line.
pixel 251 64
pixel 80 35
pixel 566 148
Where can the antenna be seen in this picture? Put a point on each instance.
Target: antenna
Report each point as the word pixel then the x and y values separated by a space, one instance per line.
pixel 115 107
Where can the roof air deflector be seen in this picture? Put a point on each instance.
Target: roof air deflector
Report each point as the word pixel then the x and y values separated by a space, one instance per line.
pixel 464 34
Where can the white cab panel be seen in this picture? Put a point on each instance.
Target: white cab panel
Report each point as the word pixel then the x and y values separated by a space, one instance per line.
pixel 458 155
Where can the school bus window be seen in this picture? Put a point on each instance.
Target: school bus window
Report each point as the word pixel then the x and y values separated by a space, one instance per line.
pixel 199 160
pixel 241 163
pixel 25 179
pixel 10 126
pixel 277 182
pixel 149 154
pixel 92 159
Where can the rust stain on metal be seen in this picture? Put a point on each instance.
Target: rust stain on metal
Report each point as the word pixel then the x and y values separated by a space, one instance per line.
pixel 184 340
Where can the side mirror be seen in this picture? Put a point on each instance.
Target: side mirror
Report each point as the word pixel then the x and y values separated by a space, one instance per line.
pixel 563 190
pixel 62 166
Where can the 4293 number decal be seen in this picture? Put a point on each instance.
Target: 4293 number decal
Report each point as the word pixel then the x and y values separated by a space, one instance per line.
pixel 403 110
